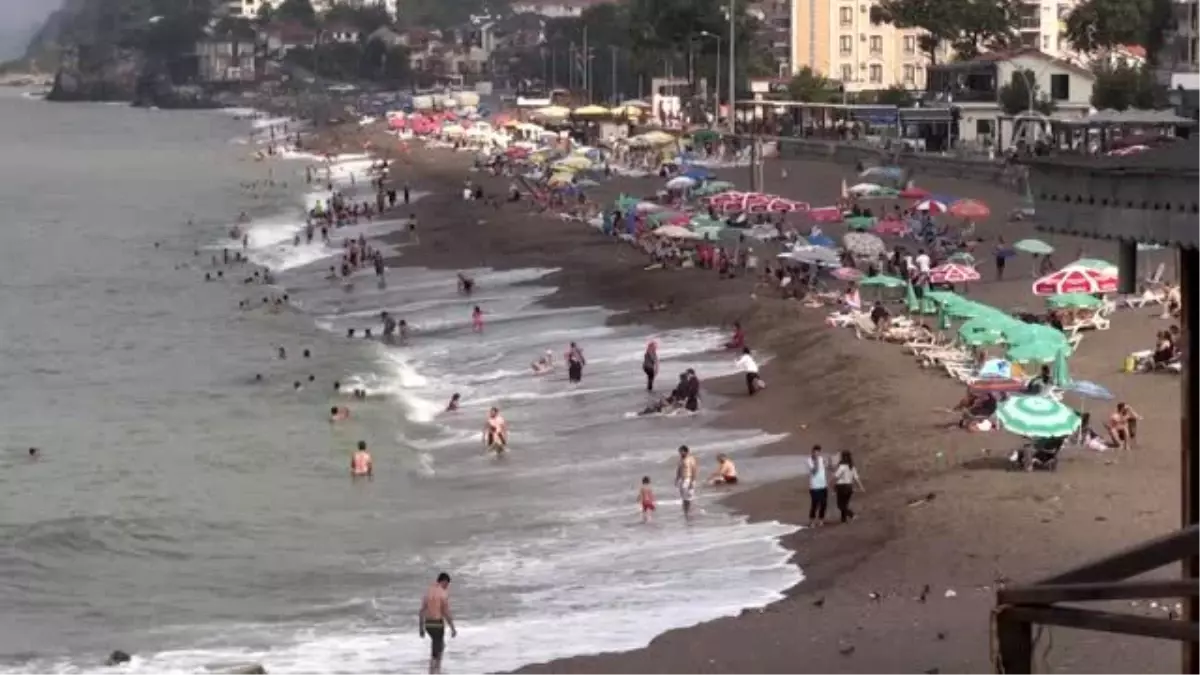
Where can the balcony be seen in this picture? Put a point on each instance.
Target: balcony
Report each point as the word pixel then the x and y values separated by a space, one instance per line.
pixel 963 82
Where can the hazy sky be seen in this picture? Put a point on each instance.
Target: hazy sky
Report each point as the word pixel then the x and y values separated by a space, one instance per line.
pixel 18 20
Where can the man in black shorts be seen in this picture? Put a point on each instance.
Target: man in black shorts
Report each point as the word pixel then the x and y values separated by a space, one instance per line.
pixel 434 618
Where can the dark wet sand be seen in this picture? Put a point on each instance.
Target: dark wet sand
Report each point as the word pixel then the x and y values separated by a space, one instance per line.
pixel 984 525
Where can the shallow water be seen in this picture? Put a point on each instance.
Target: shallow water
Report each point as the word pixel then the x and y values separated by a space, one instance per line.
pixel 185 513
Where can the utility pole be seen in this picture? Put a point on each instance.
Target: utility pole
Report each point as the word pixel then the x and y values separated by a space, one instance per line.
pixel 553 71
pixel 587 65
pixel 613 82
pixel 571 66
pixel 732 65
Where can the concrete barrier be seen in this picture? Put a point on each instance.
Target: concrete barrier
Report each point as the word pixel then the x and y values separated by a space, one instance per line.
pixel 849 153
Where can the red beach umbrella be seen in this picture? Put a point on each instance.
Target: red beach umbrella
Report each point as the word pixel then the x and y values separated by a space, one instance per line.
pixel 780 205
pixel 970 209
pixel 996 385
pixel 913 192
pixel 893 228
pixel 1076 280
pixel 826 214
pixel 953 273
pixel 931 205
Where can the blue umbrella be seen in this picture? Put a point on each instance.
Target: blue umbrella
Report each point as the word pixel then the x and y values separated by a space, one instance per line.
pixel 822 240
pixel 1088 389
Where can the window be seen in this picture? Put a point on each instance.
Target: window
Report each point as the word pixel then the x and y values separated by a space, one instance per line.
pixel 1045 43
pixel 876 44
pixel 983 127
pixel 1028 18
pixel 1060 87
pixel 845 45
pixel 910 74
pixel 847 73
pixel 1029 40
pixel 876 74
pixel 846 16
pixel 910 44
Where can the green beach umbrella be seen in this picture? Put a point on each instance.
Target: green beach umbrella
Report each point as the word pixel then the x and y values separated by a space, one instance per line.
pixel 1095 264
pixel 1035 351
pixel 860 223
pixel 625 202
pixel 1059 373
pixel 942 297
pixel 981 338
pixel 706 136
pixel 703 221
pixel 1074 301
pixel 1037 417
pixel 943 319
pixel 1034 246
pixel 884 281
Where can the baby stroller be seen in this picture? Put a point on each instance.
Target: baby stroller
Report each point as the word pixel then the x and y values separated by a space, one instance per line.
pixel 1042 453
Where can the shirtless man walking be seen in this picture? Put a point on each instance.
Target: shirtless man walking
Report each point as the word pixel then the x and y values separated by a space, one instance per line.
pixel 434 617
pixel 495 432
pixel 685 479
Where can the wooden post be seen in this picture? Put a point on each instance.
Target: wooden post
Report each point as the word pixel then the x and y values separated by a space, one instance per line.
pixel 1015 638
pixel 1188 438
pixel 1127 265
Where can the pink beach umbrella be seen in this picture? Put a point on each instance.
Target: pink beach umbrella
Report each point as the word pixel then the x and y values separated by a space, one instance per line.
pixel 953 273
pixel 913 192
pixel 970 209
pixel 847 274
pixel 1076 280
pixel 781 205
pixel 932 206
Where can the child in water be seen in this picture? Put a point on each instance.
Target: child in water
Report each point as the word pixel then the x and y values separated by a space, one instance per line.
pixel 646 499
pixel 477 319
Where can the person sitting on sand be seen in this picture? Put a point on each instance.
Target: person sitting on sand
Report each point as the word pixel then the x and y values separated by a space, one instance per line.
pixel 976 408
pixel 726 473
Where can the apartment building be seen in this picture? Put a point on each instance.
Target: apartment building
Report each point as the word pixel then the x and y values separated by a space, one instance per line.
pixel 250 8
pixel 838 39
pixel 1179 62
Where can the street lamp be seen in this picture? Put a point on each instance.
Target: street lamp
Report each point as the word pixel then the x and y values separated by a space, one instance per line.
pixel 732 65
pixel 717 83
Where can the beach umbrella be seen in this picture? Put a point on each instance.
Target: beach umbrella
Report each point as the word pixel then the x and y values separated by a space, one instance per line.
pixel 681 183
pixel 943 318
pixel 1074 301
pixel 913 192
pixel 1075 280
pixel 953 273
pixel 884 281
pixel 1035 351
pixel 705 136
pixel 932 206
pixel 996 368
pixel 675 232
pixel 893 173
pixel 970 209
pixel 552 112
pixel 591 111
pixel 981 338
pixel 1037 417
pixel 1088 389
pixel 962 258
pixel 821 240
pixel 657 137
pixel 1096 264
pixel 890 228
pixel 648 207
pixel 814 255
pixel 910 299
pixel 1059 374
pixel 1034 246
pixel 781 205
pixel 847 274
pixel 860 223
pixel 863 189
pixel 863 244
pixel 996 385
pixel 825 214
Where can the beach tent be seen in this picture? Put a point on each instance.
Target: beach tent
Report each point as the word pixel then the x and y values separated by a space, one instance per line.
pixel 591 111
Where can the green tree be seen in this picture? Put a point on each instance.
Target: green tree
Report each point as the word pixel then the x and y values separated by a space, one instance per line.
pixel 1098 25
pixel 381 63
pixel 366 18
pixel 297 10
pixel 894 95
pixel 969 26
pixel 812 87
pixel 1020 92
pixel 1123 86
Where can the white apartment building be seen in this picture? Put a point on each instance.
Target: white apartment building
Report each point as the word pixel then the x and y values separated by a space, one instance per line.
pixel 250 8
pixel 1180 60
pixel 553 9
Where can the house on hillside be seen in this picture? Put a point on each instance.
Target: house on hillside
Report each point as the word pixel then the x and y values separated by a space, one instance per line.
pixel 973 89
pixel 553 9
pixel 226 60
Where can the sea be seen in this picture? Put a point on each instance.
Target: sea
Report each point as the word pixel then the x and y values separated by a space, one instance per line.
pixel 190 502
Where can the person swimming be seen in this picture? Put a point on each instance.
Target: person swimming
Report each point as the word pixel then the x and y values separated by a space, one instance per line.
pixel 339 413
pixel 495 432
pixel 544 363
pixel 454 402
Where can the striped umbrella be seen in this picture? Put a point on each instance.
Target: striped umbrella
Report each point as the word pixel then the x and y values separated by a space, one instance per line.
pixel 1037 417
pixel 932 206
pixel 953 273
pixel 996 385
pixel 1075 280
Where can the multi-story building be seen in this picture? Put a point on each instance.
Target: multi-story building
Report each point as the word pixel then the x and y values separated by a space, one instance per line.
pixel 1179 61
pixel 775 29
pixel 250 8
pixel 838 39
pixel 553 9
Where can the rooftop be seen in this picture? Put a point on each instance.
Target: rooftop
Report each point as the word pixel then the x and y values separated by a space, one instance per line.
pixel 1003 56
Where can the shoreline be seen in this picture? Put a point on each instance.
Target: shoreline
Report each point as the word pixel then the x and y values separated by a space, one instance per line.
pixel 862 386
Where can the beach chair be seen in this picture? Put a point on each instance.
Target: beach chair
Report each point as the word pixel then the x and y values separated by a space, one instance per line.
pixel 1092 322
pixel 1155 281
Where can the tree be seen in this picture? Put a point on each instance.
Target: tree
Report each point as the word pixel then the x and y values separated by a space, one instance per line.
pixel 366 18
pixel 968 25
pixel 1124 86
pixel 297 10
pixel 1098 25
pixel 894 95
pixel 1022 91
pixel 812 87
pixel 381 63
pixel 264 14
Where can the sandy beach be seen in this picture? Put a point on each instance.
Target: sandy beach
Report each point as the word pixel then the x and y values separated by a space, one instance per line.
pixel 909 586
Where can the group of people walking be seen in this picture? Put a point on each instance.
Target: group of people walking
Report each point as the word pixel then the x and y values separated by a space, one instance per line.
pixel 845 478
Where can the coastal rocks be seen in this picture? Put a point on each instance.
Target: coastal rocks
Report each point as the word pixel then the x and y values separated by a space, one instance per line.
pixel 117 658
pixel 97 75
